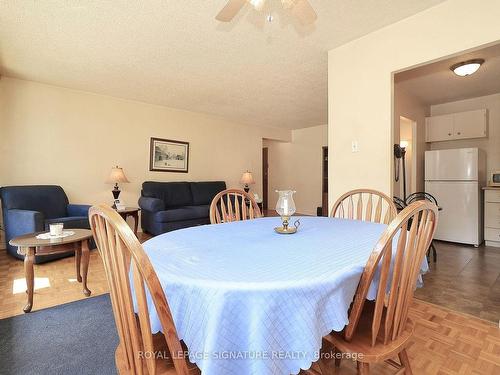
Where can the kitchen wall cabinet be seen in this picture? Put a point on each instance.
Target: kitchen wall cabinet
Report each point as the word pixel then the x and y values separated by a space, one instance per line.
pixel 461 125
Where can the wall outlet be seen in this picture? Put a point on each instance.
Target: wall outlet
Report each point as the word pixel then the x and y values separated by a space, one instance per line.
pixel 354 146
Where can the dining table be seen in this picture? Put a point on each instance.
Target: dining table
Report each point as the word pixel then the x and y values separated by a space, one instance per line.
pixel 247 300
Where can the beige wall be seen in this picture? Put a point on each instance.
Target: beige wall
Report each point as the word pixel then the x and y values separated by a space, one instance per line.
pixel 406 105
pixel 51 135
pixel 490 145
pixel 297 165
pixel 360 84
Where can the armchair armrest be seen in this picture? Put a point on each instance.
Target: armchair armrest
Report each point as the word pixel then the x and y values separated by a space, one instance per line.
pixel 151 204
pixel 78 209
pixel 24 221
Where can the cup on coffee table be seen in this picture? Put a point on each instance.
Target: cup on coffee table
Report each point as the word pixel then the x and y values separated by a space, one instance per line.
pixel 56 229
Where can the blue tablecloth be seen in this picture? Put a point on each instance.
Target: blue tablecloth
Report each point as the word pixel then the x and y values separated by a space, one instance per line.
pixel 247 300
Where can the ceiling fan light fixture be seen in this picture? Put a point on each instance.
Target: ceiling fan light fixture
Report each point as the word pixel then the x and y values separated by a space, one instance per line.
pixel 466 68
pixel 257 4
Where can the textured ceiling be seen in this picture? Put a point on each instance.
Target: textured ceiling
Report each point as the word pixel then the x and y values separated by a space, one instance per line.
pixel 174 53
pixel 435 83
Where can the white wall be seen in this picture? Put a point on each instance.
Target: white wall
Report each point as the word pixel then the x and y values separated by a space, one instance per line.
pixel 297 166
pixel 360 85
pixel 490 145
pixel 52 135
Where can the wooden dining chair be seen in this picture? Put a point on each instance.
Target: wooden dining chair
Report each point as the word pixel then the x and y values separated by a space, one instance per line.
pixel 124 259
pixel 233 205
pixel 380 330
pixel 366 205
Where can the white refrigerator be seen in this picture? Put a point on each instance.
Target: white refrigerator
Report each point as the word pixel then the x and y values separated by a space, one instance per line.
pixel 455 178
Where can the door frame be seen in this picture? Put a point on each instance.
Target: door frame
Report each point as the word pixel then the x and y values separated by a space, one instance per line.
pixel 265 177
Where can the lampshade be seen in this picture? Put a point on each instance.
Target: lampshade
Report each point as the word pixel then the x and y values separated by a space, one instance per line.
pixel 116 175
pixel 403 144
pixel 247 178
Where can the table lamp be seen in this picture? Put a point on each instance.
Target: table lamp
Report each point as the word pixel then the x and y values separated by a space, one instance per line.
pixel 247 179
pixel 115 176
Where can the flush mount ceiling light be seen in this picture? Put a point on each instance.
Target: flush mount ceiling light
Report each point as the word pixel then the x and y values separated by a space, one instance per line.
pixel 466 68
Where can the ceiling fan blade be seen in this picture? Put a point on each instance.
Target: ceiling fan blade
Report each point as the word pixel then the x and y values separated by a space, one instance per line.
pixel 303 10
pixel 230 10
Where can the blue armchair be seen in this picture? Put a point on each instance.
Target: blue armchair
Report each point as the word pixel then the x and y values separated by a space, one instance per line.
pixel 28 209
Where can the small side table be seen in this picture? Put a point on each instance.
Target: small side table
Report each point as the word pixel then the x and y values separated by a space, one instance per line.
pixel 29 246
pixel 132 212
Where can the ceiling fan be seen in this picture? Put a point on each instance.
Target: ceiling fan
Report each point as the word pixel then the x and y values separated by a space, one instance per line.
pixel 301 9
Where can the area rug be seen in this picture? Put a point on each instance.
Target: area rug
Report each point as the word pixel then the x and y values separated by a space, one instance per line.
pixel 74 338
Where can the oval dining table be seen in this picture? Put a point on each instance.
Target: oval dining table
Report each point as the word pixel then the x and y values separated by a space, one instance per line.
pixel 247 300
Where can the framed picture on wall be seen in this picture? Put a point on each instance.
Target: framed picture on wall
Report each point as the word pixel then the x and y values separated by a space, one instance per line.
pixel 166 155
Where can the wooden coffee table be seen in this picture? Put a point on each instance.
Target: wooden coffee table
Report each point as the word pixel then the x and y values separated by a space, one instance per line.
pixel 29 246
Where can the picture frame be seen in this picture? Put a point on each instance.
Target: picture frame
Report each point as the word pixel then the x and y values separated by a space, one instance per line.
pixel 167 155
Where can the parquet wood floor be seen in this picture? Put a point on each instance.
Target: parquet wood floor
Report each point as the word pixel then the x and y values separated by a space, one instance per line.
pixel 55 283
pixel 445 342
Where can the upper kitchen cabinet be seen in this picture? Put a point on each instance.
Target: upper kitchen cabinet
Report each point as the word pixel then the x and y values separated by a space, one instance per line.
pixel 462 125
pixel 439 128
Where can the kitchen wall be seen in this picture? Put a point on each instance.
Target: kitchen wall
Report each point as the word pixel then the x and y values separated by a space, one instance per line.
pixel 52 135
pixel 407 105
pixel 360 85
pixel 297 165
pixel 491 144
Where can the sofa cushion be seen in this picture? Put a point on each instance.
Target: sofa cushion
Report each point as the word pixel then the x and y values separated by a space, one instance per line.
pixel 174 194
pixel 182 213
pixel 72 222
pixel 51 200
pixel 204 192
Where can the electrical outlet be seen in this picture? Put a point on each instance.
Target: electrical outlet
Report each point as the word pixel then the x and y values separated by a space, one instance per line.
pixel 354 146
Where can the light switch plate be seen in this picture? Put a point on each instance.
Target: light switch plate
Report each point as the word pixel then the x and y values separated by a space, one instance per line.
pixel 354 146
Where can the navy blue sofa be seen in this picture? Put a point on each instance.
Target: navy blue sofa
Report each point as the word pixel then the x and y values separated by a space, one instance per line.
pixel 28 209
pixel 167 206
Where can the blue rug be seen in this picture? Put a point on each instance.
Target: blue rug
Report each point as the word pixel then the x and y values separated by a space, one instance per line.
pixel 74 338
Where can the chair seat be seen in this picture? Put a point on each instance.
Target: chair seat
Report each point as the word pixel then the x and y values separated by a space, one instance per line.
pixel 362 339
pixel 182 213
pixel 164 364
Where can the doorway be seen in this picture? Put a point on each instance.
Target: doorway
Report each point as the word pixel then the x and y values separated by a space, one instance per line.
pixel 443 102
pixel 265 177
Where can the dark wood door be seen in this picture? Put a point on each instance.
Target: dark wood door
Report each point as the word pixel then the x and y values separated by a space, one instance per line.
pixel 324 208
pixel 265 176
